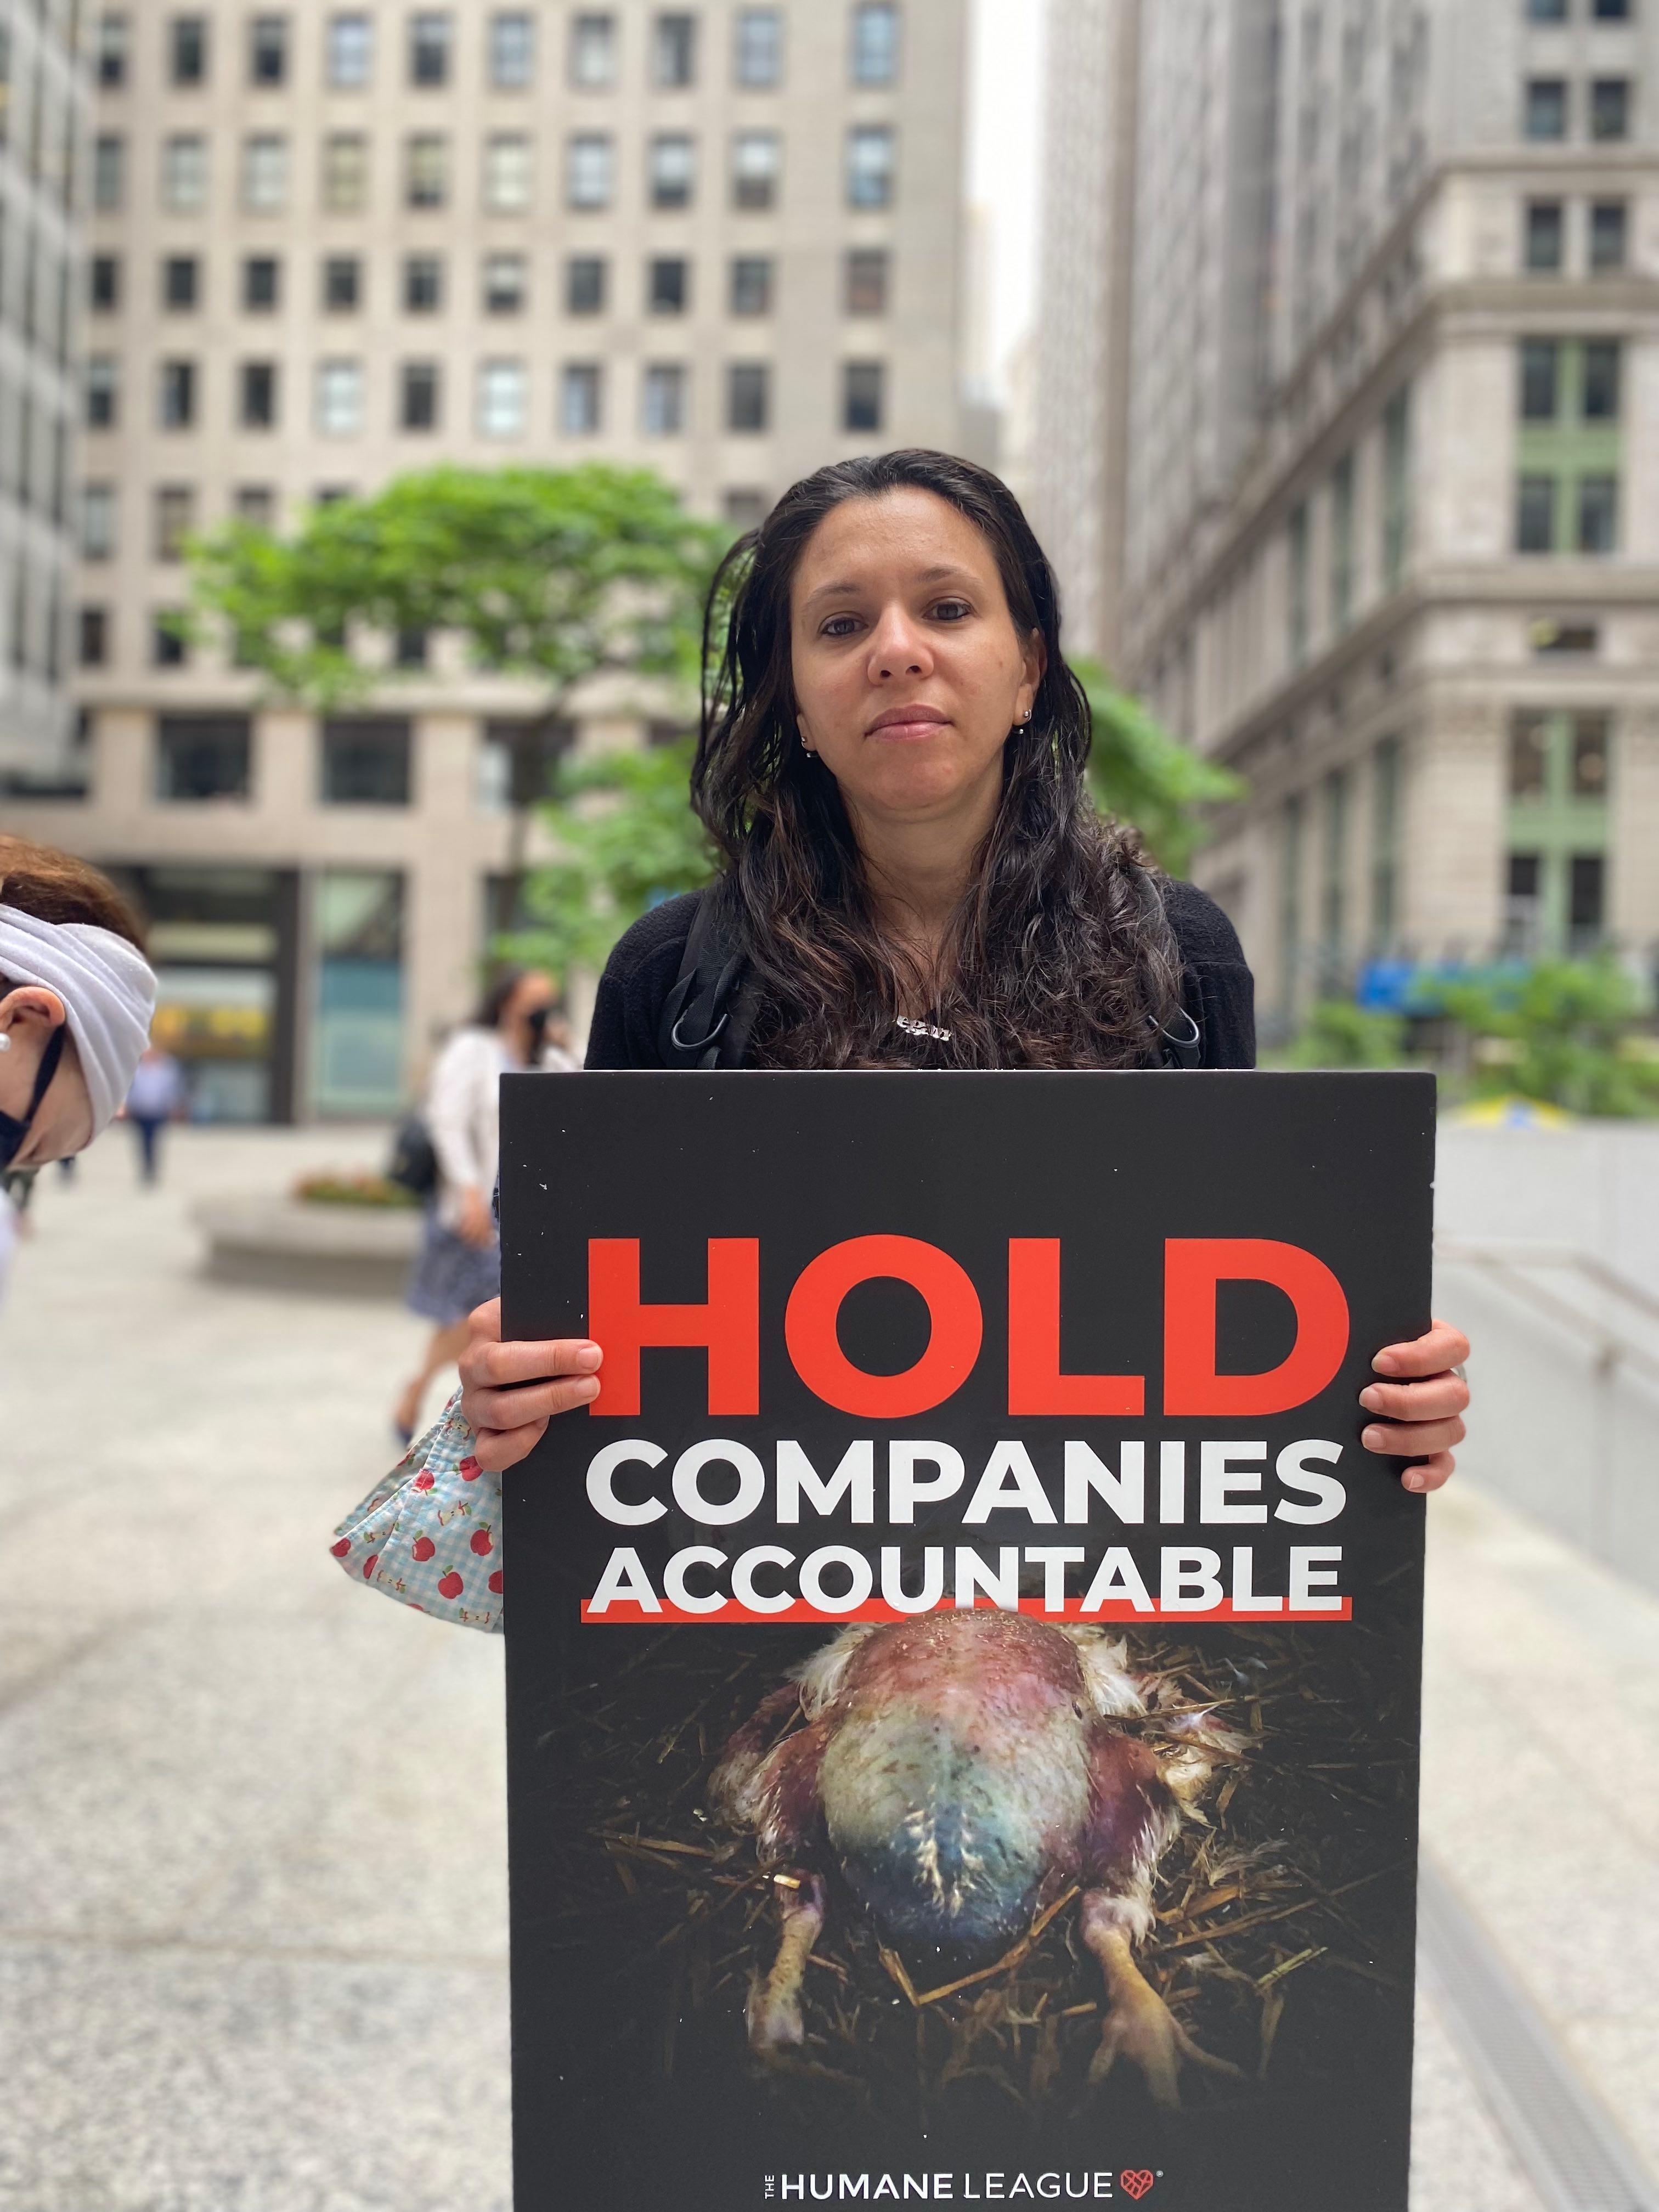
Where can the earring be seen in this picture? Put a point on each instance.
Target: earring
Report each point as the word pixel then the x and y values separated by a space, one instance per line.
pixel 804 747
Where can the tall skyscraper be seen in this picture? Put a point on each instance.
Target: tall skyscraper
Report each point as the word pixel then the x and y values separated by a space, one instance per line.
pixel 1390 514
pixel 44 114
pixel 336 239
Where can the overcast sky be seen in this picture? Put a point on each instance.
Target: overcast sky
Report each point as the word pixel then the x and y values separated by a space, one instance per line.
pixel 1005 163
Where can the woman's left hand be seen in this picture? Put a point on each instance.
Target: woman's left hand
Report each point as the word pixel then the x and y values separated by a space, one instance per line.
pixel 1420 1404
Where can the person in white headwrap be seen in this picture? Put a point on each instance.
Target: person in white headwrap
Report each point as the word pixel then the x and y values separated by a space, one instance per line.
pixel 77 999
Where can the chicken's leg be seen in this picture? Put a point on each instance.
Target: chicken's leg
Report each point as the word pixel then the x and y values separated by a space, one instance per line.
pixel 774 2020
pixel 1139 2025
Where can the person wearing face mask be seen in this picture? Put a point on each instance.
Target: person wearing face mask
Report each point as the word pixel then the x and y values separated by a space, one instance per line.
pixel 460 1263
pixel 77 999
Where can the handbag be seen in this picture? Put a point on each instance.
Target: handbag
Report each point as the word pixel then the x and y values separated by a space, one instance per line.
pixel 414 1162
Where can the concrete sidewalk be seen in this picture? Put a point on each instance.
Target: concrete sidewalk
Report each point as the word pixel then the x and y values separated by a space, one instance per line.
pixel 252 1932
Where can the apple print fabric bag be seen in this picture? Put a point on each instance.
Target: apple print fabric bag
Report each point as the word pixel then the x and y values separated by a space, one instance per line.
pixel 430 1532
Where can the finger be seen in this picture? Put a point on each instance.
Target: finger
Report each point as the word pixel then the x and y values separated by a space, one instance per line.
pixel 1430 1474
pixel 1407 1439
pixel 485 1322
pixel 488 1365
pixel 1444 1346
pixel 1432 1401
pixel 531 1401
pixel 496 1450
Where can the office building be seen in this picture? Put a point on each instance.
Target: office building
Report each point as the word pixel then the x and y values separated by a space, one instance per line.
pixel 1390 488
pixel 338 239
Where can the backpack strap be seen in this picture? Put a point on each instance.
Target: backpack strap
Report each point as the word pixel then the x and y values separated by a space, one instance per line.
pixel 709 1012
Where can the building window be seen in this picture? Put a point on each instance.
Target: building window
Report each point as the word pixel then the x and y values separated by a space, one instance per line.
pixel 187 50
pixel 748 395
pixel 341 284
pixel 1546 11
pixel 589 163
pixel 875 42
pixel 350 53
pixel 1333 884
pixel 425 170
pixel 109 169
pixel 345 171
pixel 1610 107
pixel 1539 379
pixel 579 399
pixel 1601 379
pixel 365 760
pixel 267 50
pixel 423 284
pixel 1545 108
pixel 506 172
pixel 668 286
pixel 744 508
pixel 180 282
pixel 672 169
pixel 501 399
pixel 256 506
pixel 512 51
pixel 759 58
pixel 869 166
pixel 175 518
pixel 1529 753
pixel 674 50
pixel 1385 845
pixel 1611 11
pixel 755 162
pixel 94 637
pixel 261 284
pixel 257 395
pixel 176 384
pixel 428 50
pixel 97 522
pixel 584 284
pixel 1598 513
pixel 867 281
pixel 662 408
pixel 1609 226
pixel 409 648
pixel 1396 488
pixel 1545 233
pixel 264 173
pixel 339 399
pixel 1297 598
pixel 751 284
pixel 1342 577
pixel 417 400
pixel 1534 514
pixel 1290 902
pixel 113 46
pixel 862 393
pixel 104 283
pixel 184 173
pixel 506 282
pixel 201 756
pixel 103 391
pixel 592 51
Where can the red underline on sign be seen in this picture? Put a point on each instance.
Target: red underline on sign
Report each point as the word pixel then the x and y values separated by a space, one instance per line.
pixel 627 1612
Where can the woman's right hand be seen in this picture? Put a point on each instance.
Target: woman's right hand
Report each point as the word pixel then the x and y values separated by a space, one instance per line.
pixel 510 1392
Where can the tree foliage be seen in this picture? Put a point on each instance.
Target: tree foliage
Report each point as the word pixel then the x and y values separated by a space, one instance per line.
pixel 1142 774
pixel 1338 1034
pixel 555 574
pixel 1566 1032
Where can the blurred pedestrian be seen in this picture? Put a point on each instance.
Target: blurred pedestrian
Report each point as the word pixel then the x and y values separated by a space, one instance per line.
pixel 157 1095
pixel 459 1264
pixel 76 998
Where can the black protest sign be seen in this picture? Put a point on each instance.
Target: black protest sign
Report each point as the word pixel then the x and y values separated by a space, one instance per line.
pixel 962 1668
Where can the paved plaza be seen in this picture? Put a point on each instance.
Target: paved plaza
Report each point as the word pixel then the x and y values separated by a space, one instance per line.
pixel 252 1926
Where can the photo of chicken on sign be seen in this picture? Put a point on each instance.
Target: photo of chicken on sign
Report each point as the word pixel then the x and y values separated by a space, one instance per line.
pixel 963 1680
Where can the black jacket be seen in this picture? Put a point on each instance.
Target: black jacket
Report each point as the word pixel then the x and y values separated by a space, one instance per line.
pixel 1217 989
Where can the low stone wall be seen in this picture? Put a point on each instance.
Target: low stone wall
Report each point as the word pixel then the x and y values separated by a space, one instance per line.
pixel 283 1244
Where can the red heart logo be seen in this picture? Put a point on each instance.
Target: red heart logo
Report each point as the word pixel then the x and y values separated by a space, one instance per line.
pixel 1136 2183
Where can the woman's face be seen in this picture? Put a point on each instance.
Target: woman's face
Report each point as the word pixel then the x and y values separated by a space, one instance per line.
pixel 63 1121
pixel 909 670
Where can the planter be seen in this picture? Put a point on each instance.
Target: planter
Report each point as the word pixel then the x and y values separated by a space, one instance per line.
pixel 281 1243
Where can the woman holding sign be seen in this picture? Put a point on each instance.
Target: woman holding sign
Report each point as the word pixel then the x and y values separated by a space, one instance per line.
pixel 913 875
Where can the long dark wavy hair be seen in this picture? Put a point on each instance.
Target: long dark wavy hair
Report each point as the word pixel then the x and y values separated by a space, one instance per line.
pixel 1059 956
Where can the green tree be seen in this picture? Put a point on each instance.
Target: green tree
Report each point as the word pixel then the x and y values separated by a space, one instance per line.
pixel 1338 1034
pixel 1142 774
pixel 1567 1032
